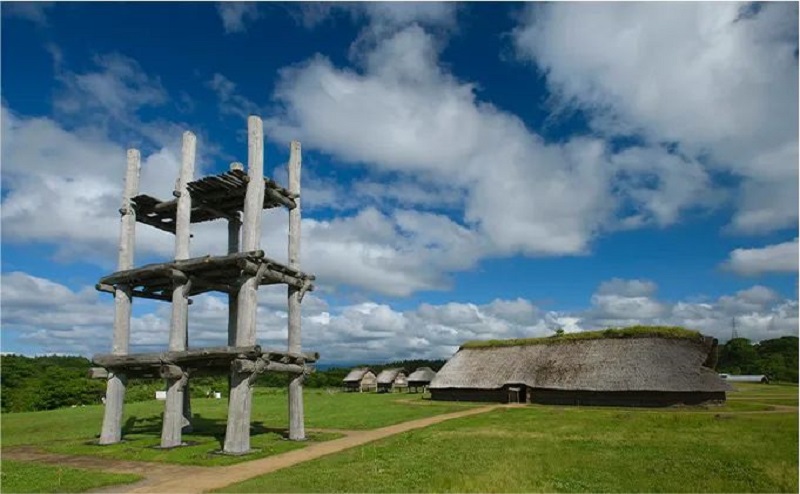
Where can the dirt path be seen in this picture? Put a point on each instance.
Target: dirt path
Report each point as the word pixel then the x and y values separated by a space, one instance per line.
pixel 217 477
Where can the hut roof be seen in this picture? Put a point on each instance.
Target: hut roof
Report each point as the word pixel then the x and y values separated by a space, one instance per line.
pixel 653 363
pixel 670 332
pixel 422 374
pixel 389 375
pixel 356 374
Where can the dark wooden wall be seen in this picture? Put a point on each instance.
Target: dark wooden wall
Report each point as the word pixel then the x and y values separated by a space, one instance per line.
pixel 593 398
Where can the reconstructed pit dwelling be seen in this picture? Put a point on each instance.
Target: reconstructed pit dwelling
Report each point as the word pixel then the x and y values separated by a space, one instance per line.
pixel 239 198
pixel 647 367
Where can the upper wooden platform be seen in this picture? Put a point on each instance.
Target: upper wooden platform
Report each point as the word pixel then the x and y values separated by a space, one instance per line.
pixel 213 197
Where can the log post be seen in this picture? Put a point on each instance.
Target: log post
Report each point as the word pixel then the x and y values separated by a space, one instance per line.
pixel 234 233
pixel 297 431
pixel 237 433
pixel 115 388
pixel 175 406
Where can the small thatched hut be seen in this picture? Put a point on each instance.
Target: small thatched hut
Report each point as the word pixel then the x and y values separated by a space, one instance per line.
pixel 420 379
pixel 360 379
pixel 632 366
pixel 392 379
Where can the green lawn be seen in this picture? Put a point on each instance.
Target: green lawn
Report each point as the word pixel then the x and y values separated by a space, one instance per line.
pixel 570 449
pixel 73 430
pixel 201 448
pixel 17 476
pixel 534 448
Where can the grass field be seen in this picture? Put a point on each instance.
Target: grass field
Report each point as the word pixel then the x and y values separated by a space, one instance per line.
pixel 571 449
pixel 18 476
pixel 73 430
pixel 748 445
pixel 323 410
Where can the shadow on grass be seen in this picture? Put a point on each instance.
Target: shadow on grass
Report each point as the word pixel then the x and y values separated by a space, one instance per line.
pixel 201 426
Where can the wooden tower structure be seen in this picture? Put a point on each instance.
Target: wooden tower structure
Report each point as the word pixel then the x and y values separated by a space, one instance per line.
pixel 239 198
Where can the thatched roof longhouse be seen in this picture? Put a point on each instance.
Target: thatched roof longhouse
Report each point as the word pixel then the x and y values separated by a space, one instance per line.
pixel 643 363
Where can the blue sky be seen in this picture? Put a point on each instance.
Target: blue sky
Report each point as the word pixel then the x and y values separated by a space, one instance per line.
pixel 469 170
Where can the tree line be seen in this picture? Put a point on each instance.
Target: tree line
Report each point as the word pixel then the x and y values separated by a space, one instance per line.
pixel 30 384
pixel 776 358
pixel 49 382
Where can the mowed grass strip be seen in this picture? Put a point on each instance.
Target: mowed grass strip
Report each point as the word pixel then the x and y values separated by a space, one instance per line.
pixel 73 430
pixel 549 449
pixel 200 449
pixel 20 477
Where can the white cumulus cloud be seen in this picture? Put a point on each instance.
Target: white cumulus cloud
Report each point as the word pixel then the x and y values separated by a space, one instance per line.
pixel 778 258
pixel 718 79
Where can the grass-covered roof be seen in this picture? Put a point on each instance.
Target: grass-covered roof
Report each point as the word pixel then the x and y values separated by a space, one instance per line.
pixel 619 359
pixel 670 332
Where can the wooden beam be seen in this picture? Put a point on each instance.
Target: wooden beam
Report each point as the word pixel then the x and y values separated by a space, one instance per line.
pixel 275 196
pixel 110 361
pixel 170 371
pixel 270 274
pixel 103 287
pixel 97 373
pixel 288 368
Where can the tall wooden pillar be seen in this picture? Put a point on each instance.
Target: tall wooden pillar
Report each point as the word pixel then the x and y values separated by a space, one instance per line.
pixel 297 431
pixel 115 388
pixel 234 234
pixel 174 419
pixel 237 434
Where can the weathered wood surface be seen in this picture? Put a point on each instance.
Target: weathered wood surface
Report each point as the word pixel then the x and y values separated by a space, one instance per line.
pixel 259 366
pixel 269 274
pixel 290 357
pixel 173 422
pixel 209 273
pixel 111 431
pixel 237 433
pixel 170 371
pixel 193 355
pixel 97 373
pixel 276 266
pixel 102 287
pixel 175 418
pixel 234 235
pixel 190 266
pixel 213 197
pixel 297 431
